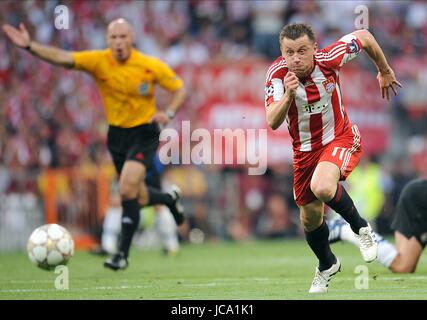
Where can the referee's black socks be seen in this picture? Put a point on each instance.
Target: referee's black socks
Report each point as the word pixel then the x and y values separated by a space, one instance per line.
pixel 342 204
pixel 130 223
pixel 157 197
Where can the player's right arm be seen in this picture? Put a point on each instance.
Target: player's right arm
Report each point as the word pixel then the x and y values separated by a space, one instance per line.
pixel 21 38
pixel 278 110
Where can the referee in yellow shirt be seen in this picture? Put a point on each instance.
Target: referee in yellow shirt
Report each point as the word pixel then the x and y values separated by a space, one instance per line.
pixel 126 79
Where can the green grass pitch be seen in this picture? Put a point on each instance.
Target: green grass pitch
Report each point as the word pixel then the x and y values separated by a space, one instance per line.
pixel 231 271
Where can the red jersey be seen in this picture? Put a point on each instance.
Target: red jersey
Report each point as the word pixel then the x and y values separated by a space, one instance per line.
pixel 317 115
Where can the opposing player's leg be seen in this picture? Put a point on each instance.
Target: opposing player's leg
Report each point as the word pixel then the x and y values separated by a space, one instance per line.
pixel 340 230
pixel 167 231
pixel 317 232
pixel 401 258
pixel 111 226
pixel 410 225
pixel 410 251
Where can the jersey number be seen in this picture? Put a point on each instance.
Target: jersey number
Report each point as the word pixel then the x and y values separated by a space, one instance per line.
pixel 334 153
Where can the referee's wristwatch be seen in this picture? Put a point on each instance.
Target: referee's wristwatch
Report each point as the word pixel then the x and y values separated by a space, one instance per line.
pixel 170 114
pixel 28 48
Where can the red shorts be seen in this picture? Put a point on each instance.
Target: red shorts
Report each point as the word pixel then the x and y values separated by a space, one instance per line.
pixel 345 151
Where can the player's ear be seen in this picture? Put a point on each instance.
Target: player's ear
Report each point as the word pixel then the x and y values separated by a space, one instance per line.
pixel 315 46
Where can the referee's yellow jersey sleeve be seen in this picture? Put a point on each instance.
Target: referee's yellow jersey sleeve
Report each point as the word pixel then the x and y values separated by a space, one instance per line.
pixel 87 60
pixel 166 77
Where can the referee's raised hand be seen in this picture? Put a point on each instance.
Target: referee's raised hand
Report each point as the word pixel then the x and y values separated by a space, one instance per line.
pixel 20 37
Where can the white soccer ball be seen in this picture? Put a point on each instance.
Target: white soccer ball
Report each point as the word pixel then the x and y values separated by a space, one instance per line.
pixel 49 246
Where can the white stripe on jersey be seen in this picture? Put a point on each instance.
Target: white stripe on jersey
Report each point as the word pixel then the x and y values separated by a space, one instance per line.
pixel 278 89
pixel 272 71
pixel 274 68
pixel 303 118
pixel 331 55
pixel 355 146
pixel 332 52
pixel 337 87
pixel 328 119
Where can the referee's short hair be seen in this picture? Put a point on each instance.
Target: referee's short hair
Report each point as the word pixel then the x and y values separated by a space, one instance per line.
pixel 296 30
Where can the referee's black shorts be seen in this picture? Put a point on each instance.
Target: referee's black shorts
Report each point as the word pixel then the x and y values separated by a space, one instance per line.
pixel 410 217
pixel 137 143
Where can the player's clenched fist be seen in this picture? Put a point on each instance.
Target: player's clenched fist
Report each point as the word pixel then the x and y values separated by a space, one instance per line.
pixel 291 83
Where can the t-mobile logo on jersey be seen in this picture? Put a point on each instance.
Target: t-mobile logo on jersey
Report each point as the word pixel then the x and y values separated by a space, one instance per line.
pixel 315 108
pixel 222 146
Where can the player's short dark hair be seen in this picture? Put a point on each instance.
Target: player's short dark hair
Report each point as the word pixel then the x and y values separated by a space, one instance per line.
pixel 296 30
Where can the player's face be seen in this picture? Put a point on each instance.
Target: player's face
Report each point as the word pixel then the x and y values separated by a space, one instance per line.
pixel 299 55
pixel 120 40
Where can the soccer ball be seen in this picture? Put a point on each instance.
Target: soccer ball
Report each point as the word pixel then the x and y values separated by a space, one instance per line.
pixel 49 246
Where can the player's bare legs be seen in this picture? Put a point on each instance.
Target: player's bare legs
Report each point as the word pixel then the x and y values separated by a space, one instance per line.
pixel 311 215
pixel 409 252
pixel 324 181
pixel 325 186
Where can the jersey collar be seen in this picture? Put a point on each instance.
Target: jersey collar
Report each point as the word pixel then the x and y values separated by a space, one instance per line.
pixel 113 61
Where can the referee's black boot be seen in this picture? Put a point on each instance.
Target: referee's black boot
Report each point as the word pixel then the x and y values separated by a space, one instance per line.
pixel 117 262
pixel 177 209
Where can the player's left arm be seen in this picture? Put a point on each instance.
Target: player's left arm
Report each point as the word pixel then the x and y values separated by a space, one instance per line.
pixel 176 102
pixel 386 77
pixel 169 80
pixel 178 98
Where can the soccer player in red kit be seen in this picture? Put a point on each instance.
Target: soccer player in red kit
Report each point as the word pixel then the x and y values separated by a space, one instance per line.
pixel 303 88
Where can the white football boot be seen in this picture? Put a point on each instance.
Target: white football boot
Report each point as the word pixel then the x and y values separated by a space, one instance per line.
pixel 321 278
pixel 368 244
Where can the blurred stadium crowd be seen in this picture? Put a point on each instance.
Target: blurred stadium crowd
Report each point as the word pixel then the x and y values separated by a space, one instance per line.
pixel 53 118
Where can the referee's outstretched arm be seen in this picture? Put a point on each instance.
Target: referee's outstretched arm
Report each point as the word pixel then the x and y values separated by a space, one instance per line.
pixel 21 38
